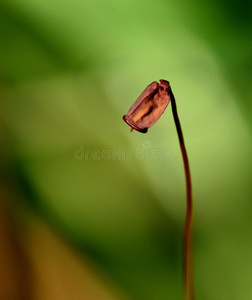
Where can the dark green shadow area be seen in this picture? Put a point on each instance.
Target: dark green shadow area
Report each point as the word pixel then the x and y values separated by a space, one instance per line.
pixel 30 50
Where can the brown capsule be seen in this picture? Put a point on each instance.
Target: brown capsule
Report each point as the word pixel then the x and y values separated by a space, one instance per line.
pixel 149 107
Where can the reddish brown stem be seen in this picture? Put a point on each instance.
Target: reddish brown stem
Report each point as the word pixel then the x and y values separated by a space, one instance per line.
pixel 188 252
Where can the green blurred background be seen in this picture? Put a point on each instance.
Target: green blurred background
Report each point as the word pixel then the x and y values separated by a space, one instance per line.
pixel 91 211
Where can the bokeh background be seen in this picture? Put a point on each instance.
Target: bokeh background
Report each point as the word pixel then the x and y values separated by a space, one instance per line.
pixel 91 211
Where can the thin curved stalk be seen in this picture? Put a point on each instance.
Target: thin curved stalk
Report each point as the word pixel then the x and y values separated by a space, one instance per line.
pixel 143 114
pixel 188 252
